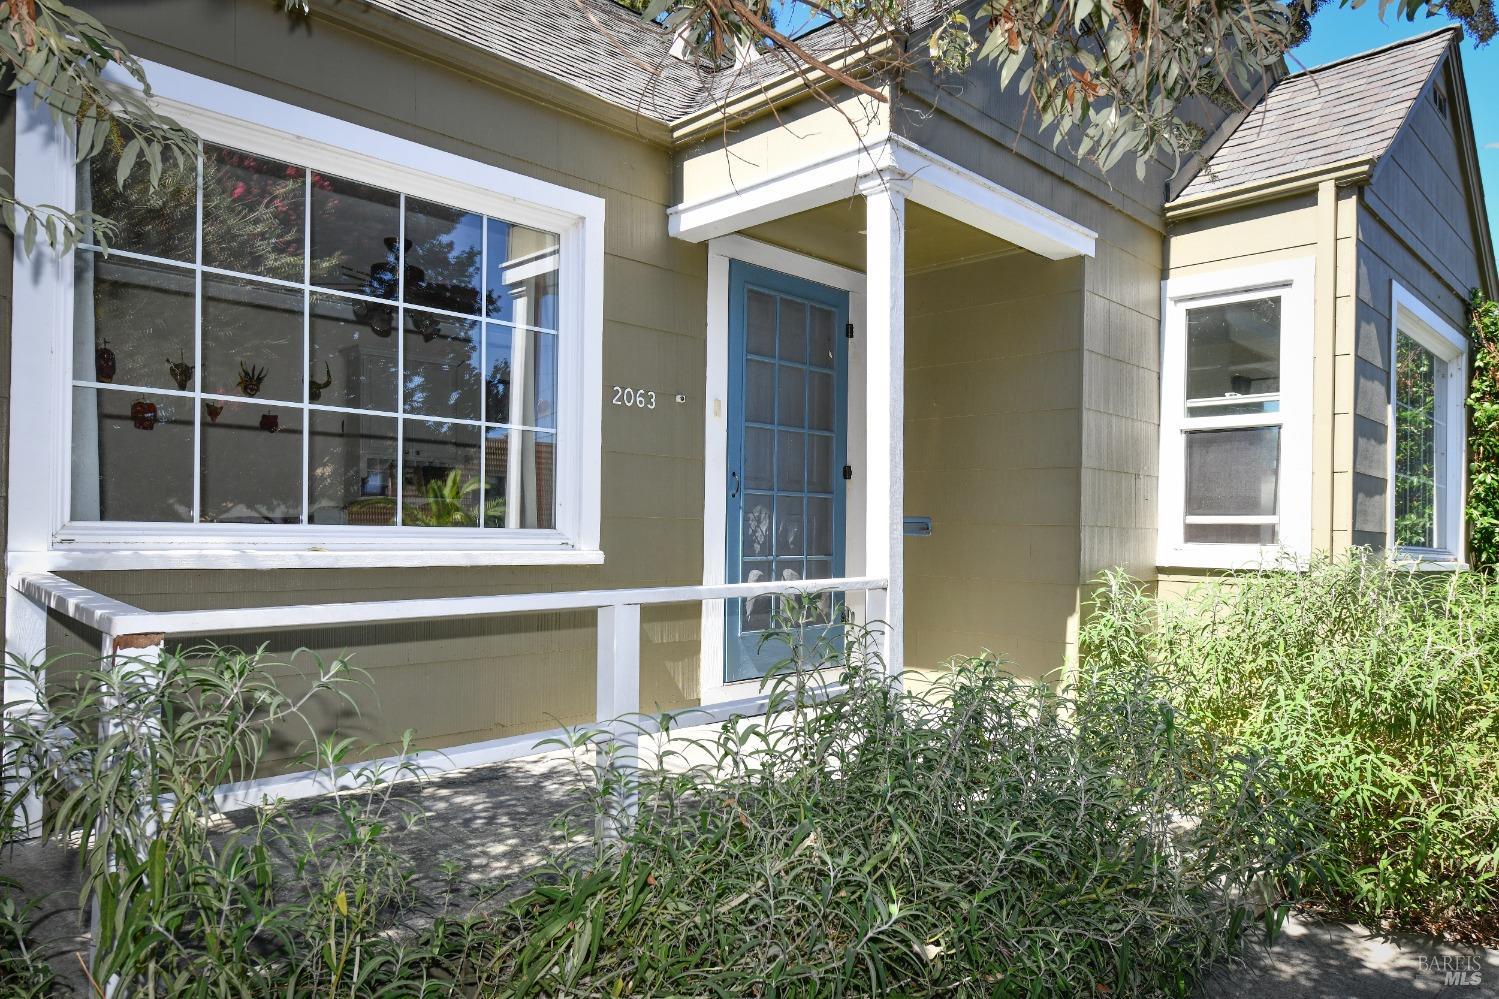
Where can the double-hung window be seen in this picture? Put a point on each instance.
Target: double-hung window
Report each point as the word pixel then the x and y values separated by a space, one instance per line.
pixel 1427 439
pixel 1235 421
pixel 298 344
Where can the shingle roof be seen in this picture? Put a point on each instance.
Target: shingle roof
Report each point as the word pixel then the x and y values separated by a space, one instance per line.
pixel 594 45
pixel 1326 115
pixel 606 50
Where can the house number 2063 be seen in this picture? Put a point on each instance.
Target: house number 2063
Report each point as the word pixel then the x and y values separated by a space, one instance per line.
pixel 635 398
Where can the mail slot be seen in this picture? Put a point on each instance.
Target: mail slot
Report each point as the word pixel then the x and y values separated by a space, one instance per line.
pixel 918 527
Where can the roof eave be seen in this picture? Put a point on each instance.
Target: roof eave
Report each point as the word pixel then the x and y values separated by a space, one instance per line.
pixel 1357 170
pixel 861 61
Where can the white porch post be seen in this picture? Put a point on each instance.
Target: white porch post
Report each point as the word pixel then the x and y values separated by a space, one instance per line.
pixel 25 642
pixel 885 376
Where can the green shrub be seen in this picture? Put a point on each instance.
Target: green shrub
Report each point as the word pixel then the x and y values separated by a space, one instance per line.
pixel 1483 437
pixel 989 838
pixel 1376 687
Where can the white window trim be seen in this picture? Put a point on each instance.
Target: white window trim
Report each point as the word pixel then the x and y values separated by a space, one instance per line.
pixel 39 536
pixel 1417 320
pixel 1294 280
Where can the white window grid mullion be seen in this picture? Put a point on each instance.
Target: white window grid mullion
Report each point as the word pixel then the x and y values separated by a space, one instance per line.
pixel 306 343
pixel 483 366
pixel 1231 518
pixel 1240 421
pixel 398 487
pixel 198 462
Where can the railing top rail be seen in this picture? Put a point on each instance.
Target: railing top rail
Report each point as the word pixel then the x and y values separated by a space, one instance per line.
pixel 115 617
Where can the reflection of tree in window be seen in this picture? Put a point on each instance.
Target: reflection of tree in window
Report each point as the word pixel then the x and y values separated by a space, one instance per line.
pixel 1415 444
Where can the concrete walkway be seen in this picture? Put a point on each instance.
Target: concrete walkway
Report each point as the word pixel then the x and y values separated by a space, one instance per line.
pixel 494 823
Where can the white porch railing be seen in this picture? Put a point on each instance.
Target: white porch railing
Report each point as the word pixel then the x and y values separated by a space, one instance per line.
pixel 139 635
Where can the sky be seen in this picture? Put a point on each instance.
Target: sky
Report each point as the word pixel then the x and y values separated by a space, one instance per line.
pixel 1343 31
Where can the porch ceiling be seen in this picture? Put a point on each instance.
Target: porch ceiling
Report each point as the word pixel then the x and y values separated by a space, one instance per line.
pixel 835 233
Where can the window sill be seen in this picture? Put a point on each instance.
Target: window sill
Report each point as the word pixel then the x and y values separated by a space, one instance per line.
pixel 1234 558
pixel 95 558
pixel 1428 560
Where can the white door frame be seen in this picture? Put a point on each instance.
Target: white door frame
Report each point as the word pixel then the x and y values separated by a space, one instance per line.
pixel 721 250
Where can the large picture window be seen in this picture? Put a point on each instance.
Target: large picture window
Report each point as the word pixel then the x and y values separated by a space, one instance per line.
pixel 1235 415
pixel 1427 440
pixel 294 344
pixel 264 343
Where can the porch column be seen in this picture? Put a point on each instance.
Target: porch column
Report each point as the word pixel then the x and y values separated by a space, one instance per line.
pixel 885 400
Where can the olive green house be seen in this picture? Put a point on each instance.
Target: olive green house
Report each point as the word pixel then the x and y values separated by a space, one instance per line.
pixel 501 346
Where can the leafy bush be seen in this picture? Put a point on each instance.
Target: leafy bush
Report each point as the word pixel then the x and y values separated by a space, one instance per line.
pixel 1483 439
pixel 989 837
pixel 1376 687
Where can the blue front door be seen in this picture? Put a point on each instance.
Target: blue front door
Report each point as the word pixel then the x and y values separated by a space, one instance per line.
pixel 788 386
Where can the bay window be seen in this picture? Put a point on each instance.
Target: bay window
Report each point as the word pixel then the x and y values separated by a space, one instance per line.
pixel 1235 461
pixel 304 345
pixel 1427 440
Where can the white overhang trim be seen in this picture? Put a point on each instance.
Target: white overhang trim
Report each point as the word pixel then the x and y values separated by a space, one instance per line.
pixel 936 183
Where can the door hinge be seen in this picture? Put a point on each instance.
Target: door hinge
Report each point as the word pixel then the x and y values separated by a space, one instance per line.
pixel 848 471
pixel 848 331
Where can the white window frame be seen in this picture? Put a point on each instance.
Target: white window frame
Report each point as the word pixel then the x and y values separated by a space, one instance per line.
pixel 1293 282
pixel 1417 320
pixel 41 355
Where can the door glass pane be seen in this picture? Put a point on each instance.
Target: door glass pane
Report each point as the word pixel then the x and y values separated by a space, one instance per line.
pixel 791 457
pixel 1416 444
pixel 822 342
pixel 444 248
pixel 759 323
pixel 441 472
pixel 351 474
pixel 790 528
pixel 442 366
pixel 253 214
pixel 759 450
pixel 1233 472
pixel 821 408
pixel 132 456
pixel 819 526
pixel 132 322
pixel 355 229
pixel 822 469
pixel 353 362
pixel 757 525
pixel 793 342
pixel 755 612
pixel 252 465
pixel 1233 349
pixel 759 392
pixel 252 339
pixel 792 393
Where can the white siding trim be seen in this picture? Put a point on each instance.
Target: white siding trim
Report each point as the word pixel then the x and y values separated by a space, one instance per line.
pixel 1414 318
pixel 935 182
pixel 1294 281
pixel 41 353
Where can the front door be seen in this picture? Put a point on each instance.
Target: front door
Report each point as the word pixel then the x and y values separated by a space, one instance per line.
pixel 787 424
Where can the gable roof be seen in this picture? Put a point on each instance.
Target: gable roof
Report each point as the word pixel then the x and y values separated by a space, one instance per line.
pixel 1345 110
